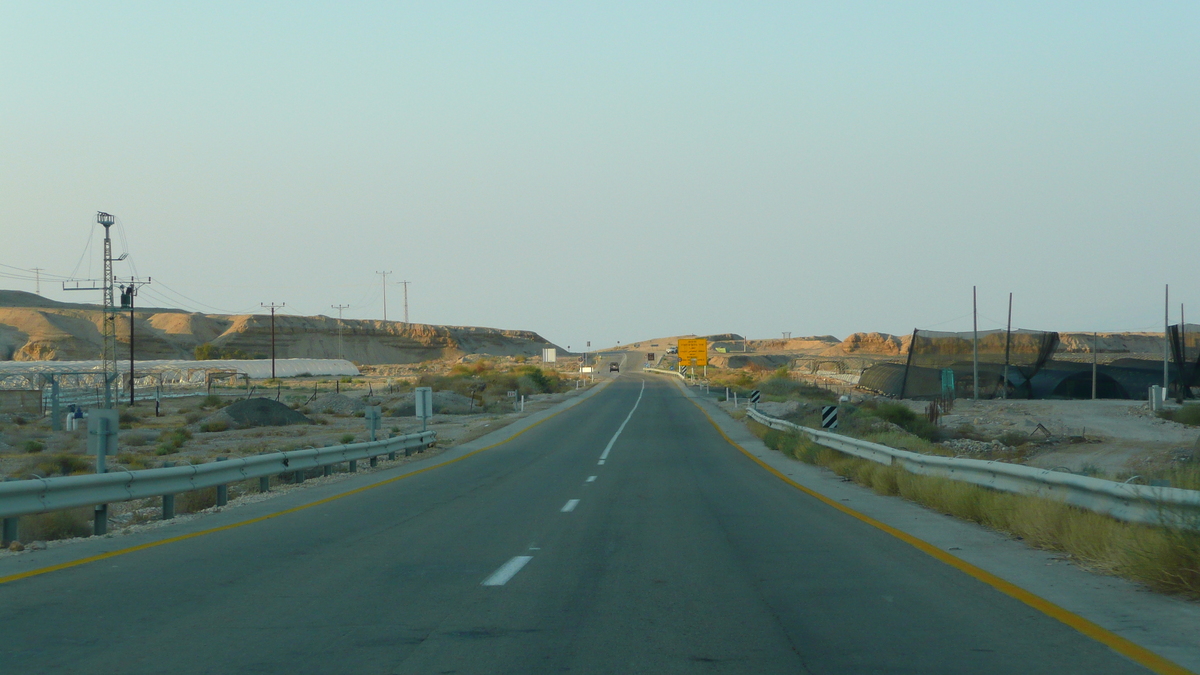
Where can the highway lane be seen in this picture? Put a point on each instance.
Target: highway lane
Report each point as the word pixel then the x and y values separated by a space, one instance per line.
pixel 677 554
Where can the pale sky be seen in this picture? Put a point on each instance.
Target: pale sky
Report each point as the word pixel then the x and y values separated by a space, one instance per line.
pixel 614 171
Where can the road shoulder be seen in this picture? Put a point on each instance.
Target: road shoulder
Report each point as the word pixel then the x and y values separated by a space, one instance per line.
pixel 1162 624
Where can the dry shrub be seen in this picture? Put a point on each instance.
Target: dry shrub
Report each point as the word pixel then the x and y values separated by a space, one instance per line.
pixel 56 525
pixel 196 500
pixel 1165 558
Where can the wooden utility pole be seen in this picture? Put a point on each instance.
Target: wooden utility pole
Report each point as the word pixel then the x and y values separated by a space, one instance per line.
pixel 384 275
pixel 272 307
pixel 1007 345
pixel 975 341
pixel 339 308
pixel 127 295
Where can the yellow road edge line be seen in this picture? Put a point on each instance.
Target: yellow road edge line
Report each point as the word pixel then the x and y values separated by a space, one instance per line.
pixel 1123 646
pixel 201 533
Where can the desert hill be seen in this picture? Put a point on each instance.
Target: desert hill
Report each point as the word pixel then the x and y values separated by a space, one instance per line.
pixel 33 328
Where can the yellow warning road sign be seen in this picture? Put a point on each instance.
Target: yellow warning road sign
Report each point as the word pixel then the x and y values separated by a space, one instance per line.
pixel 693 351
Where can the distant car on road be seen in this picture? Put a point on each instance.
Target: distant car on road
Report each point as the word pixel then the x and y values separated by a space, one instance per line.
pixel 672 350
pixel 614 368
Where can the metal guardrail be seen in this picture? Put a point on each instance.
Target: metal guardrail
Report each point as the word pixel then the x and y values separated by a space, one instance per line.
pixel 40 495
pixel 665 372
pixel 1144 504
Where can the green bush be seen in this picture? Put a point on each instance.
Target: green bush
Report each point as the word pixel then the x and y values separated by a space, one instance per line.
pixel 34 446
pixel 347 439
pixel 1188 414
pixel 903 416
pixel 209 352
pixel 62 464
pixel 214 426
pixel 174 439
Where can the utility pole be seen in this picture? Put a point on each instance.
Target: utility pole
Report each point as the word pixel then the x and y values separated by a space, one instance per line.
pixel 273 307
pixel 108 349
pixel 1166 339
pixel 339 308
pixel 406 283
pixel 37 279
pixel 1007 345
pixel 975 341
pixel 127 295
pixel 384 275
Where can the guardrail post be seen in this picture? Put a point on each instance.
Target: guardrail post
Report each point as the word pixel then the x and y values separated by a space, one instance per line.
pixel 10 531
pixel 168 507
pixel 374 461
pixel 392 455
pixel 297 477
pixel 264 484
pixel 100 522
pixel 222 490
pixel 327 469
pixel 353 465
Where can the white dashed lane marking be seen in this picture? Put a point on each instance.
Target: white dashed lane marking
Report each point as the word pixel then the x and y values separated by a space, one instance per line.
pixel 507 571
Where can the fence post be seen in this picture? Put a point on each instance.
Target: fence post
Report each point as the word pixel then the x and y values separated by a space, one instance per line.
pixel 10 531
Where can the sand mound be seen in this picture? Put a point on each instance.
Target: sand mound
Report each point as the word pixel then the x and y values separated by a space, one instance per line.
pixel 257 412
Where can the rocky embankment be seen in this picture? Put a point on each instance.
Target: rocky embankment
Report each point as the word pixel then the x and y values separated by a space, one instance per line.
pixel 33 328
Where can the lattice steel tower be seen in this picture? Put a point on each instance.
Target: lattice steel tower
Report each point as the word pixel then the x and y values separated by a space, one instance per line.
pixel 109 349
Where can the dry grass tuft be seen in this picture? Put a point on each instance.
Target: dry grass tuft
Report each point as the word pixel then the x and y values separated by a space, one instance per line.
pixel 1166 559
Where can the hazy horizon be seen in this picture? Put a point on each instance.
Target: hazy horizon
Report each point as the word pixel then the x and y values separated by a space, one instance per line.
pixel 617 172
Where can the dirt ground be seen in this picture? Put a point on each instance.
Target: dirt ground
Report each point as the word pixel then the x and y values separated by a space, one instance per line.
pixel 1109 436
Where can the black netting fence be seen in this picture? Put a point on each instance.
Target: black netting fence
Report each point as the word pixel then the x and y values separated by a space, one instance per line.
pixel 1185 356
pixel 944 364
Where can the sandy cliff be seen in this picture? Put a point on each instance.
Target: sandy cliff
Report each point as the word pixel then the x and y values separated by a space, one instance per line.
pixel 33 328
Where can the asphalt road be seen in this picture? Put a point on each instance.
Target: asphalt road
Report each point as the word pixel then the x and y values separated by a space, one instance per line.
pixel 676 553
